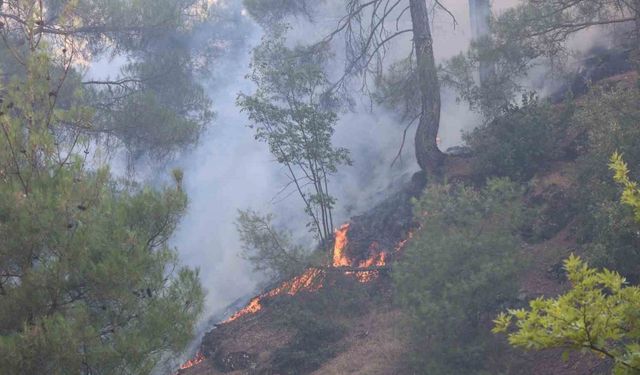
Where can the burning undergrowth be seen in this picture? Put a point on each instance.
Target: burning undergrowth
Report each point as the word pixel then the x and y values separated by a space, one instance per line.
pixel 363 249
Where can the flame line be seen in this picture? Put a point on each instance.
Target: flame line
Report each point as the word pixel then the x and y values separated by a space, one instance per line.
pixel 312 278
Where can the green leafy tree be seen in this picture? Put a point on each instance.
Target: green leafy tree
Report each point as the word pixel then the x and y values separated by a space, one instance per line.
pixel 533 33
pixel 292 112
pixel 521 141
pixel 369 29
pixel 598 314
pixel 631 192
pixel 270 13
pixel 88 282
pixel 459 267
pixel 546 25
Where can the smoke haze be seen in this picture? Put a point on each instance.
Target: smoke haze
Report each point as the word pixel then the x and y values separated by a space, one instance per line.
pixel 229 170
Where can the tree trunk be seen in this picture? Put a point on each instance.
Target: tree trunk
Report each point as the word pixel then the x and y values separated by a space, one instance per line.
pixel 429 156
pixel 479 14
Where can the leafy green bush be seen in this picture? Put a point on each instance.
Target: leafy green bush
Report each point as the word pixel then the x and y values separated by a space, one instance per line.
pixel 520 142
pixel 608 120
pixel 89 282
pixel 598 315
pixel 459 268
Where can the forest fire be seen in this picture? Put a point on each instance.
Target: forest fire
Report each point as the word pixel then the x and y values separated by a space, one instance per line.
pixel 377 258
pixel 401 244
pixel 312 279
pixel 309 281
pixel 199 357
pixel 340 244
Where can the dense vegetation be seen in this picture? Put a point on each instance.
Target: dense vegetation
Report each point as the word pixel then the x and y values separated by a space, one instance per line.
pixel 461 265
pixel 599 313
pixel 442 274
pixel 89 283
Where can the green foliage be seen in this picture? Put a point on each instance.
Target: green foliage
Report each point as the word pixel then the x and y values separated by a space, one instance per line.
pixel 159 115
pixel 398 90
pixel 608 120
pixel 533 33
pixel 546 25
pixel 155 104
pixel 460 266
pixel 511 60
pixel 88 282
pixel 631 193
pixel 598 314
pixel 520 142
pixel 292 112
pixel 268 249
pixel 270 13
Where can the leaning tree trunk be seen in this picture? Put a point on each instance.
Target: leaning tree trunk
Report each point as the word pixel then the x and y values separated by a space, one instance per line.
pixel 479 14
pixel 429 156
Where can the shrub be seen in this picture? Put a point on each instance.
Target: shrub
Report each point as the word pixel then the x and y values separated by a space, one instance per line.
pixel 520 142
pixel 457 270
pixel 609 121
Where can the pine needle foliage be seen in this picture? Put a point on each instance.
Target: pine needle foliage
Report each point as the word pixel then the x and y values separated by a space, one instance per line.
pixel 88 282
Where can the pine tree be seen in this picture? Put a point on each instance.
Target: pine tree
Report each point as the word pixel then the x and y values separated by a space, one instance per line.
pixel 88 283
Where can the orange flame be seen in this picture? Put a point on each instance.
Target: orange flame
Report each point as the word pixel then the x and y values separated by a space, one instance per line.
pixel 312 279
pixel 309 281
pixel 341 241
pixel 199 357
pixel 376 260
pixel 401 244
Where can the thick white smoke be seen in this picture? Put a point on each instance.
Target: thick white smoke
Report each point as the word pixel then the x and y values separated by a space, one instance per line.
pixel 229 170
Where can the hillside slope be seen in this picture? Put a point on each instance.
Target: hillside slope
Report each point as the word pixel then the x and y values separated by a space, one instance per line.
pixel 342 319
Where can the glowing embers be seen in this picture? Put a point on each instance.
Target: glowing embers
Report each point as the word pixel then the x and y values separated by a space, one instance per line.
pixel 401 244
pixel 377 258
pixel 199 357
pixel 310 281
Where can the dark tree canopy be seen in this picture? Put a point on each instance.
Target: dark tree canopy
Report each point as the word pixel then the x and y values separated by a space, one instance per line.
pixel 155 103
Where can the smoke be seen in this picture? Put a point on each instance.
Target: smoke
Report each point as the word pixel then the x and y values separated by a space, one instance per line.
pixel 229 170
